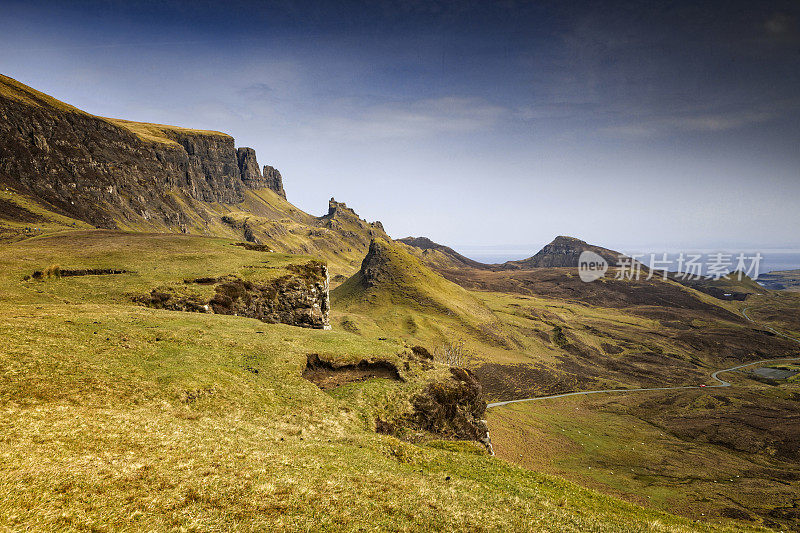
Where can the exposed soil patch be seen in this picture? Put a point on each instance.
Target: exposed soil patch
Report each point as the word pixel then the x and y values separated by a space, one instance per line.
pixel 254 247
pixel 327 375
pixel 67 272
pixel 91 272
pixel 202 281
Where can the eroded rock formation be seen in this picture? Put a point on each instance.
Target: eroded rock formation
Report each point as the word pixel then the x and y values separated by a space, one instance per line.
pixel 248 167
pixel 299 298
pixel 451 408
pixel 273 180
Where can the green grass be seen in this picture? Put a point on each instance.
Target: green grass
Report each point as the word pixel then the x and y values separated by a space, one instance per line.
pixel 11 88
pixel 622 446
pixel 153 260
pixel 127 418
pixel 160 133
pixel 400 279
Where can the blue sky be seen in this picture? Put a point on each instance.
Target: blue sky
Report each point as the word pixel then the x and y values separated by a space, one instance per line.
pixel 473 123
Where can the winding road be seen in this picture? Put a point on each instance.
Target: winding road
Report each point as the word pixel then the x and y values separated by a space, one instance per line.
pixel 720 382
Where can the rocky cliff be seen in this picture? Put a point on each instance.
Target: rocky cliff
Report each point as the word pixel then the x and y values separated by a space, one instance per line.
pixel 248 167
pixel 252 176
pixel 272 180
pixel 108 171
pixel 112 173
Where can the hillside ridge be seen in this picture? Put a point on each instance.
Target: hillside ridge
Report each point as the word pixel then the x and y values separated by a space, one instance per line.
pixel 111 171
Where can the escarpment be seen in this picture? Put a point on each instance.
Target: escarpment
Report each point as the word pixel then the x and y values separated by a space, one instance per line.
pixel 135 176
pixel 117 173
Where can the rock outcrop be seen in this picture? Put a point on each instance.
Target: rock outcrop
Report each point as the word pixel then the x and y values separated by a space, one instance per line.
pixel 272 180
pixel 248 167
pixel 299 298
pixel 339 209
pixel 253 178
pixel 453 408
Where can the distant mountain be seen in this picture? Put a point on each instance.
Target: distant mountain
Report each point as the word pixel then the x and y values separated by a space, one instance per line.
pixel 437 254
pixel 562 252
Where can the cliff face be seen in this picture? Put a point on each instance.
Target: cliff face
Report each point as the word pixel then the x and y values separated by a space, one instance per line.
pixel 118 174
pixel 252 176
pixel 248 166
pixel 273 180
pixel 104 170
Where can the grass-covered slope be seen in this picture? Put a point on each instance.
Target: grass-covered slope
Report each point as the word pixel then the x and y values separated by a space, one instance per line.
pixel 395 295
pixel 708 454
pixel 121 417
pixel 11 88
pixel 438 256
pixel 734 286
pixel 390 276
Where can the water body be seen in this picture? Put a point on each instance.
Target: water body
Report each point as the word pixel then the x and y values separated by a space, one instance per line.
pixel 775 373
pixel 770 260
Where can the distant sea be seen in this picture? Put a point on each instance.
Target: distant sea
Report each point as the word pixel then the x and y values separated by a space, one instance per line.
pixel 771 260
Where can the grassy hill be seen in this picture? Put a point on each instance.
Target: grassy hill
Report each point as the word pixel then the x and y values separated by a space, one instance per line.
pixel 390 276
pixel 118 416
pixel 704 453
pixel 734 286
pixel 436 255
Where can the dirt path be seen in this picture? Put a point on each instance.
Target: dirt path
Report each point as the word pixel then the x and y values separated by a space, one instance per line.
pixel 720 382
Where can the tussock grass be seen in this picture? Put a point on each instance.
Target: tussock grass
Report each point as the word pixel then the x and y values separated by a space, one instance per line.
pixel 160 133
pixel 128 418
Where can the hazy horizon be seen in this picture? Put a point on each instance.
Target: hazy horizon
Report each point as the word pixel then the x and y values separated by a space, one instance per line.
pixel 477 123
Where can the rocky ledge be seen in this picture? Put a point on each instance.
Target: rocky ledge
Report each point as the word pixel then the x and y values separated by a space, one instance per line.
pixel 300 298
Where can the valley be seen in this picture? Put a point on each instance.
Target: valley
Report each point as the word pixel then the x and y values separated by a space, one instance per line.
pixel 183 348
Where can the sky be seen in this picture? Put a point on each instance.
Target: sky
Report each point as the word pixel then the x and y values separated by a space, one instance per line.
pixel 627 124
